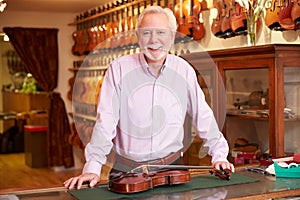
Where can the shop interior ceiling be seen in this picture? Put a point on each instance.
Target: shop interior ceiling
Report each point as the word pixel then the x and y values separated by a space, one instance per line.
pixel 70 6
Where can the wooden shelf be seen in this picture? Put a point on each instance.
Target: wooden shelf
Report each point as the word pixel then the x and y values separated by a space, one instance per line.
pixel 84 117
pixel 248 116
pixel 94 68
pixel 120 7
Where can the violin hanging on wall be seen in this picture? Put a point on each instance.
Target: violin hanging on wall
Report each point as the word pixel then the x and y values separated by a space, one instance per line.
pixel 77 37
pixel 296 13
pixel 216 24
pixel 285 18
pixel 92 33
pixel 198 27
pixel 226 21
pixel 85 36
pixel 183 27
pixel 192 26
pixel 238 21
pixel 272 16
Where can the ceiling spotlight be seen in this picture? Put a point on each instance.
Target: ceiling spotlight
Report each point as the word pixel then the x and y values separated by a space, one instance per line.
pixel 3 4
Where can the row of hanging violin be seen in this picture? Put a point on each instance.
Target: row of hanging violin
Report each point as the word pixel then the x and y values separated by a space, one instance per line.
pixel 113 24
pixel 283 15
pixel 101 30
pixel 231 20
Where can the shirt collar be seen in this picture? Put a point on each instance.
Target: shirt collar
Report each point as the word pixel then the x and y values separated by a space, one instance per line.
pixel 146 67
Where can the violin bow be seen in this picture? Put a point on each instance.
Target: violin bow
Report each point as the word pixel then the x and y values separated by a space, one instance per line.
pixel 145 169
pixel 224 174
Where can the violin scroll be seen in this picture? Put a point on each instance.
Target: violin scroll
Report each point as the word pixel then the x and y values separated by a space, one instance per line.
pixel 223 174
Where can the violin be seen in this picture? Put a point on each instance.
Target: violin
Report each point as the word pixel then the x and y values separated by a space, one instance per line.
pixel 128 27
pixel 191 11
pixel 181 20
pixel 85 37
pixel 238 19
pixel 169 5
pixel 216 24
pixel 77 37
pixel 139 182
pixel 116 28
pixel 101 29
pixel 131 182
pixel 198 27
pixel 109 30
pixel 296 12
pixel 134 17
pixel 285 18
pixel 105 30
pixel 272 16
pixel 92 34
pixel 226 21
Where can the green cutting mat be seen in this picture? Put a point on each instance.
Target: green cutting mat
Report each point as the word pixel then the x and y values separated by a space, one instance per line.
pixel 200 182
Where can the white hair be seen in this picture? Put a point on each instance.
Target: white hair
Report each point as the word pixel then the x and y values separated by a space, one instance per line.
pixel 157 9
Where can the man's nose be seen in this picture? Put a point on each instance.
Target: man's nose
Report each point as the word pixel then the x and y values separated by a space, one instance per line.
pixel 154 36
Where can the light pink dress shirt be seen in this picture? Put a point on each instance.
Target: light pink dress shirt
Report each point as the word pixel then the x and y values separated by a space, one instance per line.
pixel 144 114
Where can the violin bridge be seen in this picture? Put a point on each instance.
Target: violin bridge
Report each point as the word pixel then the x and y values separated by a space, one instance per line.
pixel 145 170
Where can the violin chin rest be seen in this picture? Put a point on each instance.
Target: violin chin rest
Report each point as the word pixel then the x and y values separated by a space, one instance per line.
pixel 297 21
pixel 276 27
pixel 241 31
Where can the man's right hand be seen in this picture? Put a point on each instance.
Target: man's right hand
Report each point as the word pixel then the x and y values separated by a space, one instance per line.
pixel 77 181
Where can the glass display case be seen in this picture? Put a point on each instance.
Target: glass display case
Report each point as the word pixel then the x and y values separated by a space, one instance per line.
pixel 292 109
pixel 247 105
pixel 262 86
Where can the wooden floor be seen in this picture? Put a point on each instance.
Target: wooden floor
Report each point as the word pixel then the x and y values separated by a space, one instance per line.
pixel 14 174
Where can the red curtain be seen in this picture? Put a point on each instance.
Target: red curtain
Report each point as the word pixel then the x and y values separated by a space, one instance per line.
pixel 38 48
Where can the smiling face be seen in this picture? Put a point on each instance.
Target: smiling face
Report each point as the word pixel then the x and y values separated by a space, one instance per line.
pixel 155 37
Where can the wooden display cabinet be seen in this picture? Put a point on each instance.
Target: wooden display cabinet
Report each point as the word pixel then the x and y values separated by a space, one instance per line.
pixel 21 102
pixel 17 102
pixel 275 68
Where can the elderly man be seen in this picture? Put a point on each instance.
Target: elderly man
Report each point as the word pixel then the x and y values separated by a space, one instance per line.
pixel 143 103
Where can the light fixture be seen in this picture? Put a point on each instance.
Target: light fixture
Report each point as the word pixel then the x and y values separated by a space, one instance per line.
pixel 4 37
pixel 3 4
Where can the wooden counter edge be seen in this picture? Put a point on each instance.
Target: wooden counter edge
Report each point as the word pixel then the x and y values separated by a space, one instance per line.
pixel 270 195
pixel 32 190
